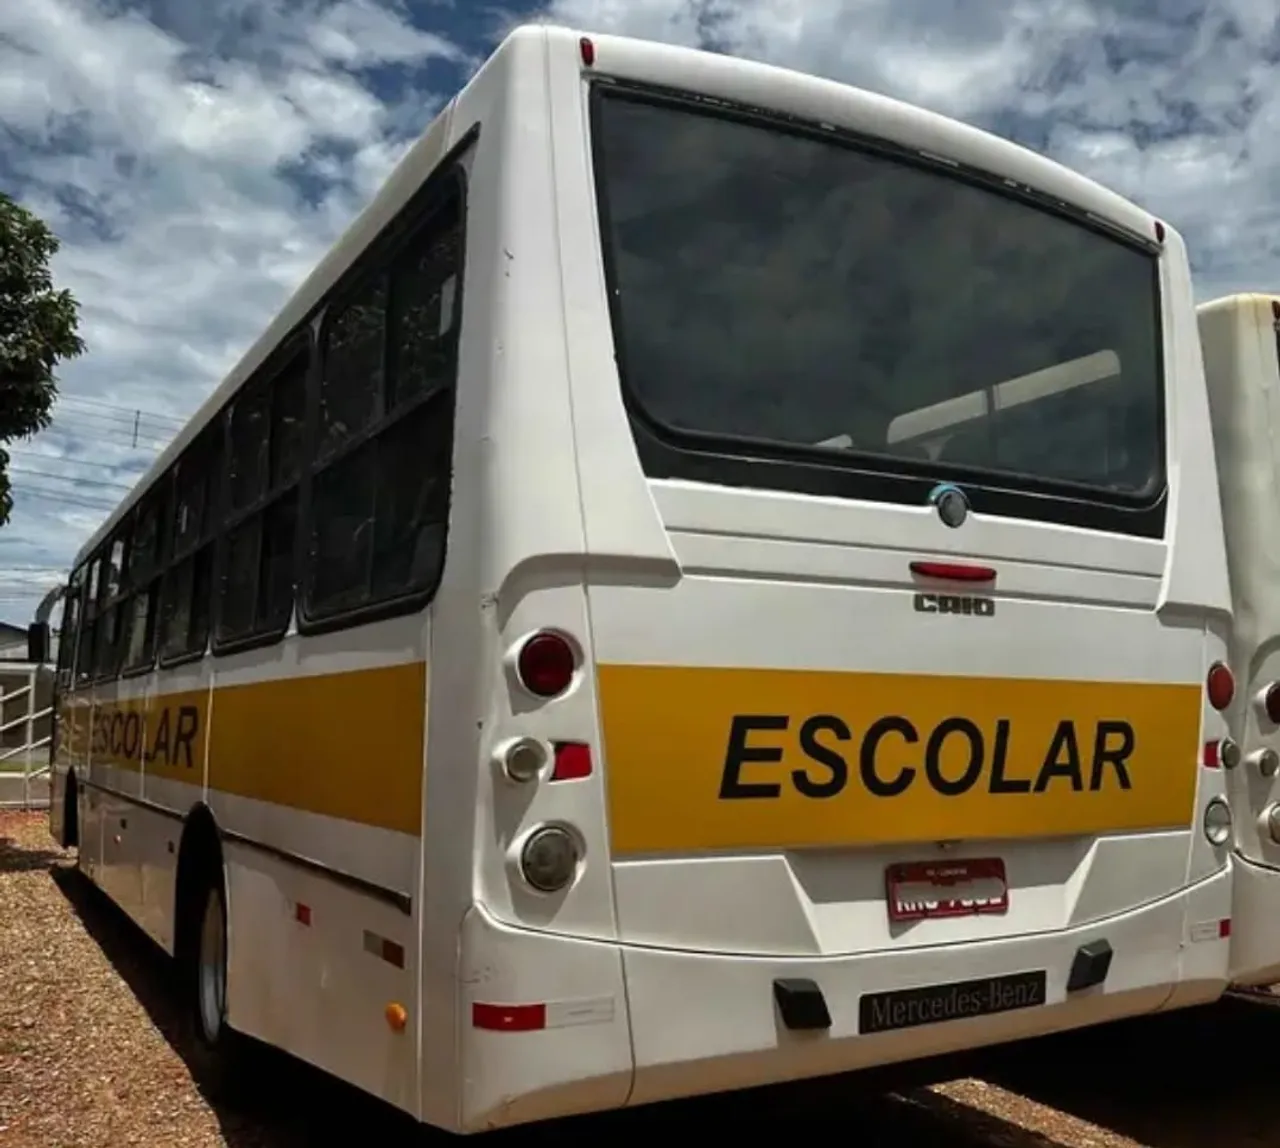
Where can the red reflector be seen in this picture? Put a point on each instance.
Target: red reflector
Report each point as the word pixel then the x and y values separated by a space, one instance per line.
pixel 588 50
pixel 1210 757
pixel 302 913
pixel 509 1018
pixel 1224 927
pixel 392 953
pixel 573 761
pixel 545 665
pixel 1220 686
pixel 953 571
pixel 1271 703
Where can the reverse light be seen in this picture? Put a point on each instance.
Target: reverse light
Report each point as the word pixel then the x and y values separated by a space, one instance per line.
pixel 1217 822
pixel 549 858
pixel 521 759
pixel 1220 686
pixel 1271 819
pixel 545 664
pixel 1265 760
pixel 1224 752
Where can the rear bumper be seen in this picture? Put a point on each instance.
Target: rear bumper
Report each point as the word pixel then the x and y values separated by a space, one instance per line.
pixel 629 1025
pixel 1255 923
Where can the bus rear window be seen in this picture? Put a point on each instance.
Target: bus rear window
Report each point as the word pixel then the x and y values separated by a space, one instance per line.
pixel 787 302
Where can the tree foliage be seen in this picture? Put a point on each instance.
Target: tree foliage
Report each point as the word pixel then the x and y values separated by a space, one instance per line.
pixel 38 330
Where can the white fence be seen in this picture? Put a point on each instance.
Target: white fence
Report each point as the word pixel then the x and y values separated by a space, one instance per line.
pixel 26 725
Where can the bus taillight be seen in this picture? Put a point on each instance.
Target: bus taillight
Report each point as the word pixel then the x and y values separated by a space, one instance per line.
pixel 546 664
pixel 1220 686
pixel 1269 701
pixel 572 761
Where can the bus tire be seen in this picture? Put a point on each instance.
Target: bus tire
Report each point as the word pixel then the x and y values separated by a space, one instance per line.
pixel 202 952
pixel 70 813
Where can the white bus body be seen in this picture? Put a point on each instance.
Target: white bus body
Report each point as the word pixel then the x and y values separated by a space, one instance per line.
pixel 1238 337
pixel 837 745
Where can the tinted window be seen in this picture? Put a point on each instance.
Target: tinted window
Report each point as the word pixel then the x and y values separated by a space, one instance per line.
pixel 380 508
pixel 831 306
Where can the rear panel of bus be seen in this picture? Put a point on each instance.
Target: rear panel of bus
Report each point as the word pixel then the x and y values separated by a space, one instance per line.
pixel 1241 346
pixel 900 564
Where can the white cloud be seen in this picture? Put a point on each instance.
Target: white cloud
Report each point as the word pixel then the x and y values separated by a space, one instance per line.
pixel 1175 103
pixel 195 176
pixel 197 163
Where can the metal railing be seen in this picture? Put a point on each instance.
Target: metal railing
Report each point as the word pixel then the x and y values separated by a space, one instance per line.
pixel 31 755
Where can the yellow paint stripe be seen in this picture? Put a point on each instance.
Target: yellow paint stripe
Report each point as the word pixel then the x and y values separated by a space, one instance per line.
pixel 798 775
pixel 347 745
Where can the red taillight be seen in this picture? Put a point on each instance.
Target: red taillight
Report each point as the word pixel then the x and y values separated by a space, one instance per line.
pixel 1271 703
pixel 1210 757
pixel 572 761
pixel 953 571
pixel 545 665
pixel 1220 686
pixel 587 50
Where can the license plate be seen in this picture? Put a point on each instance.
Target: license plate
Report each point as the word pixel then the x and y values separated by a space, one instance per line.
pixel 933 1004
pixel 920 889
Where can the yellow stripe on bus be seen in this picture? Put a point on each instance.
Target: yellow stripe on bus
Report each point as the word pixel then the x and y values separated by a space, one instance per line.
pixel 703 759
pixel 348 745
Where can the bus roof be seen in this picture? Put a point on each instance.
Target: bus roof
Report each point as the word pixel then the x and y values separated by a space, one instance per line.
pixel 715 75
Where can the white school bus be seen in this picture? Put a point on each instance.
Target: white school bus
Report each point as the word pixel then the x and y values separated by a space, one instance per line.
pixel 716 578
pixel 1238 337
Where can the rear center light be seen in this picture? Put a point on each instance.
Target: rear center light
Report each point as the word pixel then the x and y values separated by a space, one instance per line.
pixel 953 571
pixel 546 665
pixel 1220 686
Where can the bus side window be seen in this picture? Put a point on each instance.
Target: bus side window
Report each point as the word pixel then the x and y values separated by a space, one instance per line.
pixel 256 577
pixel 187 597
pixel 380 498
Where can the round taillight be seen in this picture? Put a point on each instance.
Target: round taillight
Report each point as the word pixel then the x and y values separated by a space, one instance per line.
pixel 1220 686
pixel 545 665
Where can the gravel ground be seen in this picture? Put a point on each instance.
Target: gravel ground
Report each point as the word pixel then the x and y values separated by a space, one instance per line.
pixel 93 1055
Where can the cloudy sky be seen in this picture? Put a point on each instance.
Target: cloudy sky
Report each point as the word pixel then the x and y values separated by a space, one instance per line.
pixel 198 156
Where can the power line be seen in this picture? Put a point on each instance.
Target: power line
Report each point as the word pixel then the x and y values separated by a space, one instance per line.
pixel 97 483
pixel 39 494
pixel 131 412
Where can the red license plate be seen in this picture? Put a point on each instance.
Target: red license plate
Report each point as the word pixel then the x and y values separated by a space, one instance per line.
pixel 922 889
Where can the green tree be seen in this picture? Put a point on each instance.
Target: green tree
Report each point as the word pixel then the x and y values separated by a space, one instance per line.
pixel 38 326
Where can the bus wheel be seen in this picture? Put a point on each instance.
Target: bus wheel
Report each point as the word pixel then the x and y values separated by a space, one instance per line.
pixel 211 967
pixel 70 815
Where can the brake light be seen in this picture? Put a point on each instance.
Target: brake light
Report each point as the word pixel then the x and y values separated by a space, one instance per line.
pixel 545 665
pixel 572 761
pixel 1271 703
pixel 953 571
pixel 1220 686
pixel 588 51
